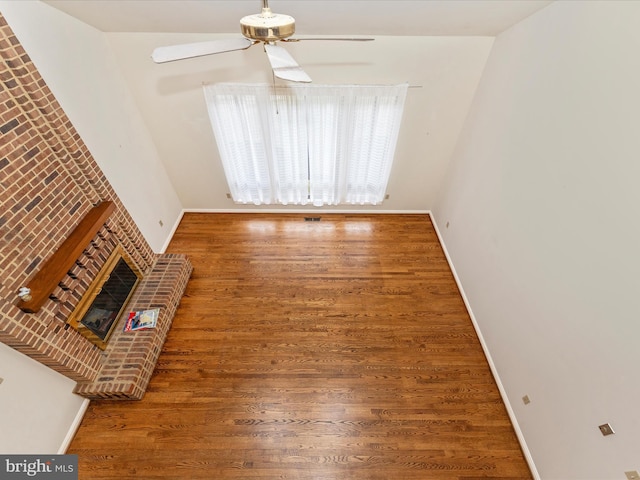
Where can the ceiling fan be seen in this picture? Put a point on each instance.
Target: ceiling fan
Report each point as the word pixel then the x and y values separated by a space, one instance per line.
pixel 266 28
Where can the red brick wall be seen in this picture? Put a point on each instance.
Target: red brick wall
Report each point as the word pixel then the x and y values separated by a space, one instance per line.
pixel 48 181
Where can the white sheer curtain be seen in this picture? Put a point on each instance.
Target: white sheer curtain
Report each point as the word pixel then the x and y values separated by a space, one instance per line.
pixel 301 144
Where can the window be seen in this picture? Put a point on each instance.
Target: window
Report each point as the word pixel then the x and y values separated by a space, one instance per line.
pixel 306 144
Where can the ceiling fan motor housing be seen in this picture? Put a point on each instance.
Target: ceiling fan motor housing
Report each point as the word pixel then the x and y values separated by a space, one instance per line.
pixel 267 26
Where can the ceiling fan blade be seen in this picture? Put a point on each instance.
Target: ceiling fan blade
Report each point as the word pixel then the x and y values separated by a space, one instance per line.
pixel 341 39
pixel 283 64
pixel 190 50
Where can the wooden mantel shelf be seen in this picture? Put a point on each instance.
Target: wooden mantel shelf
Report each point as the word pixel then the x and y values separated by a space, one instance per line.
pixel 56 267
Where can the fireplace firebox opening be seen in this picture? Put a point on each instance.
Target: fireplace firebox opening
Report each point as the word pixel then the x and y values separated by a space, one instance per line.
pixel 97 313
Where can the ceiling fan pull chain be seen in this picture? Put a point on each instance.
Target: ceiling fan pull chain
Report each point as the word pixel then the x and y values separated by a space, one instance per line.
pixel 275 91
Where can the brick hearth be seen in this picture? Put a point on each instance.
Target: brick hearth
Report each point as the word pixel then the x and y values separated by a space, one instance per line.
pixel 130 357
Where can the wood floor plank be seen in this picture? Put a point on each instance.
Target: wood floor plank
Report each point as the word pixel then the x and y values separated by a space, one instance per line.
pixel 311 350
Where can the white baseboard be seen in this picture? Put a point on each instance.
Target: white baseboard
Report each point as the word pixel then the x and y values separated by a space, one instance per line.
pixel 306 210
pixel 494 371
pixel 74 427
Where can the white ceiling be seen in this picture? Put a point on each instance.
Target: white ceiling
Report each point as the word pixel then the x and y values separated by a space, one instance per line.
pixel 313 17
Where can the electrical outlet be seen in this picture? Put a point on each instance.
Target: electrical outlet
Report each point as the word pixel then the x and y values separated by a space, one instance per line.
pixel 606 429
pixel 634 475
pixel 526 400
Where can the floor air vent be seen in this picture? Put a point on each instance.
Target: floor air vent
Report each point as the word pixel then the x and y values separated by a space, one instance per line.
pixel 312 219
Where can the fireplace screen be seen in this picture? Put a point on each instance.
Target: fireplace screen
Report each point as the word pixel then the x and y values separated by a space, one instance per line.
pixel 101 307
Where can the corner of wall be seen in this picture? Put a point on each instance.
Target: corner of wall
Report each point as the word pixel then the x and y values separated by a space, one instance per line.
pixel 487 353
pixel 172 232
pixel 73 428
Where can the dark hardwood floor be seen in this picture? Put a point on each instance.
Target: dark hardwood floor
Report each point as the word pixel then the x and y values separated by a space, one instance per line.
pixel 336 349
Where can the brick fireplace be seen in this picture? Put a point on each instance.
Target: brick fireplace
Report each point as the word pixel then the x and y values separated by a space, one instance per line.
pixel 48 182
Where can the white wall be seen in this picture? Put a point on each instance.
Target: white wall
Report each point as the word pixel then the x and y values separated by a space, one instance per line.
pixel 79 67
pixel 37 406
pixel 542 203
pixel 443 73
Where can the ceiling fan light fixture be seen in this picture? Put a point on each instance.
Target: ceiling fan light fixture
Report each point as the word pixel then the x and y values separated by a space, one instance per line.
pixel 267 26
